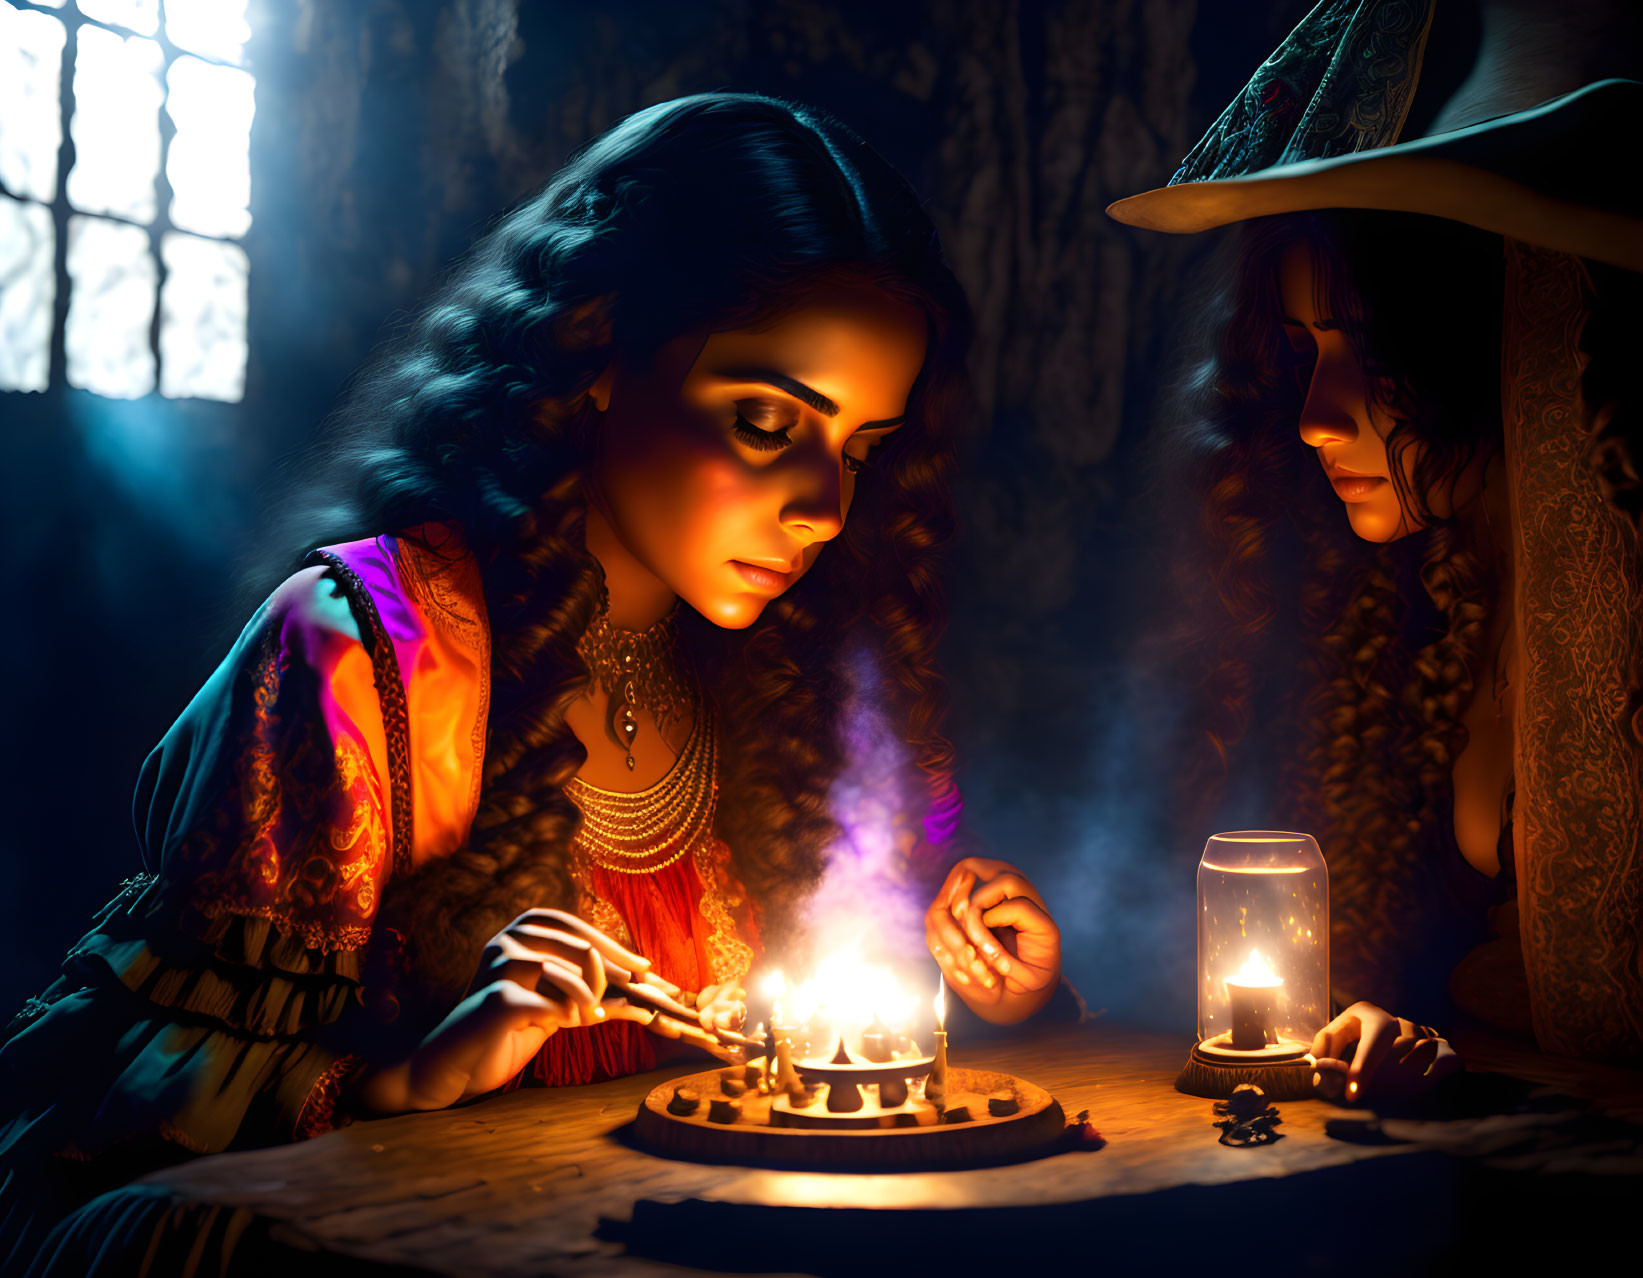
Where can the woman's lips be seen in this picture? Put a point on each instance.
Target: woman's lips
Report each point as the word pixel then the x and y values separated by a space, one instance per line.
pixel 767 580
pixel 1356 487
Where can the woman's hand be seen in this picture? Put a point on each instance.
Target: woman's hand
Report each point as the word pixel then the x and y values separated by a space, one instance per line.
pixel 542 973
pixel 1395 1059
pixel 722 1007
pixel 992 935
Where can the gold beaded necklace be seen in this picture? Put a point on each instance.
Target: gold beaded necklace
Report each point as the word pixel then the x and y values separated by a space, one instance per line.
pixel 646 830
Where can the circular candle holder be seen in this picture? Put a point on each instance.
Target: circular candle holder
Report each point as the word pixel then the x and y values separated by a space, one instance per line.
pixel 972 1129
pixel 844 1105
pixel 1283 1070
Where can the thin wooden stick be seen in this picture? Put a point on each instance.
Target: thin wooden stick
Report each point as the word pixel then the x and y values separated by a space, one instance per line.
pixel 650 996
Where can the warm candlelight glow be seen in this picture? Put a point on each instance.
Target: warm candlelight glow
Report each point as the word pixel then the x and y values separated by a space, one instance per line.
pixel 1256 973
pixel 774 987
pixel 848 991
pixel 941 1002
pixel 1251 992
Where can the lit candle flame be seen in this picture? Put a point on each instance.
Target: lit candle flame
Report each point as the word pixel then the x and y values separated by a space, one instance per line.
pixel 774 987
pixel 846 991
pixel 941 1001
pixel 843 997
pixel 1255 973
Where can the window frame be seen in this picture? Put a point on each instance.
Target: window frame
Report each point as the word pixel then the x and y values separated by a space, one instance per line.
pixel 62 211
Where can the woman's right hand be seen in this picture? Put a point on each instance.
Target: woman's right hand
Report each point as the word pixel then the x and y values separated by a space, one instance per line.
pixel 1395 1059
pixel 542 973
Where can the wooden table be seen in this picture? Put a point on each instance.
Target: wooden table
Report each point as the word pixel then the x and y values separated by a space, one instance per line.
pixel 543 1181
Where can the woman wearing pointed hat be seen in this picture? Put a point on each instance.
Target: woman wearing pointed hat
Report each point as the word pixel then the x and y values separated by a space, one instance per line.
pixel 1440 241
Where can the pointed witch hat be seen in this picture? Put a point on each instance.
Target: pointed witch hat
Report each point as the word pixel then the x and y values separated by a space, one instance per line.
pixel 1318 127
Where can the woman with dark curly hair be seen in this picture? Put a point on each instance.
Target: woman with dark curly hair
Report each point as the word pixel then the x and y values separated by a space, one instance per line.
pixel 1375 555
pixel 541 737
pixel 1436 255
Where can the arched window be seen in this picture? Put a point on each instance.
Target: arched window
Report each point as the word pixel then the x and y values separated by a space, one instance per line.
pixel 125 185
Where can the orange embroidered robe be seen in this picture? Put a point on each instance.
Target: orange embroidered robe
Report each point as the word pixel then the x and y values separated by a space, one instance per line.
pixel 339 744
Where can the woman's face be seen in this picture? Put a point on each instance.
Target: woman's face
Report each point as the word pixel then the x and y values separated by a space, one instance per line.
pixel 1344 421
pixel 727 462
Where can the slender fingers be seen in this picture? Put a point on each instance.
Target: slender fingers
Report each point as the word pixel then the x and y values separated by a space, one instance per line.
pixel 669 1027
pixel 1004 886
pixel 508 959
pixel 515 1006
pixel 1037 937
pixel 979 933
pixel 1446 1062
pixel 722 1007
pixel 612 950
pixel 1333 1038
pixel 653 996
pixel 619 1009
pixel 1431 1058
pixel 1024 916
pixel 667 987
pixel 983 868
pixel 562 979
pixel 949 945
pixel 1329 1078
pixel 980 945
pixel 1415 1054
pixel 574 949
pixel 1374 1046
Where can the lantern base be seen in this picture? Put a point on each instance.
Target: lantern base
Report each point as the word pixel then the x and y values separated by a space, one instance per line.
pixel 1282 1070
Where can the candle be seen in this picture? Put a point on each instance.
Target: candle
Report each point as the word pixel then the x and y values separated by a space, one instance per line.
pixel 786 1077
pixel 758 1072
pixel 876 1042
pixel 935 1087
pixel 774 987
pixel 1253 991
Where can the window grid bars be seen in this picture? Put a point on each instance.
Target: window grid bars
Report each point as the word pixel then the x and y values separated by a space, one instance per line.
pixel 61 210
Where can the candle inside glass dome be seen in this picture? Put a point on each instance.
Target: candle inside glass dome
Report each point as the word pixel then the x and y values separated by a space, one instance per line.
pixel 1263 963
pixel 1253 990
pixel 1263 940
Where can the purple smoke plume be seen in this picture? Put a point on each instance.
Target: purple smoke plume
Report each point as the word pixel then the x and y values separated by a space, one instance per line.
pixel 867 898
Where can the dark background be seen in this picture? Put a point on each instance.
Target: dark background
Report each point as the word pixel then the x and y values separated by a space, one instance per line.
pixel 390 132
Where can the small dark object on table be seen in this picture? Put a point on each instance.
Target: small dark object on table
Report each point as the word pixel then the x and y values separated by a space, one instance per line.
pixel 686 1100
pixel 1081 1133
pixel 1246 1118
pixel 721 1109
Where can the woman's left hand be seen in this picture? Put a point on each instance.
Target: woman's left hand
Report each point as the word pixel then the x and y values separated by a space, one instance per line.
pixel 722 1007
pixel 992 935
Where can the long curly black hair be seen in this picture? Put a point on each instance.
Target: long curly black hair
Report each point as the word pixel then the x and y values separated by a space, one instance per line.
pixel 1388 636
pixel 706 213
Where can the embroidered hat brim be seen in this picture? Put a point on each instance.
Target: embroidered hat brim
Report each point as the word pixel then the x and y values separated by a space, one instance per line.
pixel 1556 175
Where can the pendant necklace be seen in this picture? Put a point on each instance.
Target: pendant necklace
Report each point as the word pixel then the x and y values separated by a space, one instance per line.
pixel 636 669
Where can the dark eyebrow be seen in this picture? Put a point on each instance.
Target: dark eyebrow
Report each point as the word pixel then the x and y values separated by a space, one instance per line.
pixel 1323 325
pixel 798 390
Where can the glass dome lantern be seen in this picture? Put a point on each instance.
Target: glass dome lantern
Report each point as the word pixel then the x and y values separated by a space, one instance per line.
pixel 1263 962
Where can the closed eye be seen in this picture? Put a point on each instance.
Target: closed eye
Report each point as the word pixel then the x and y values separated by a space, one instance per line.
pixel 760 439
